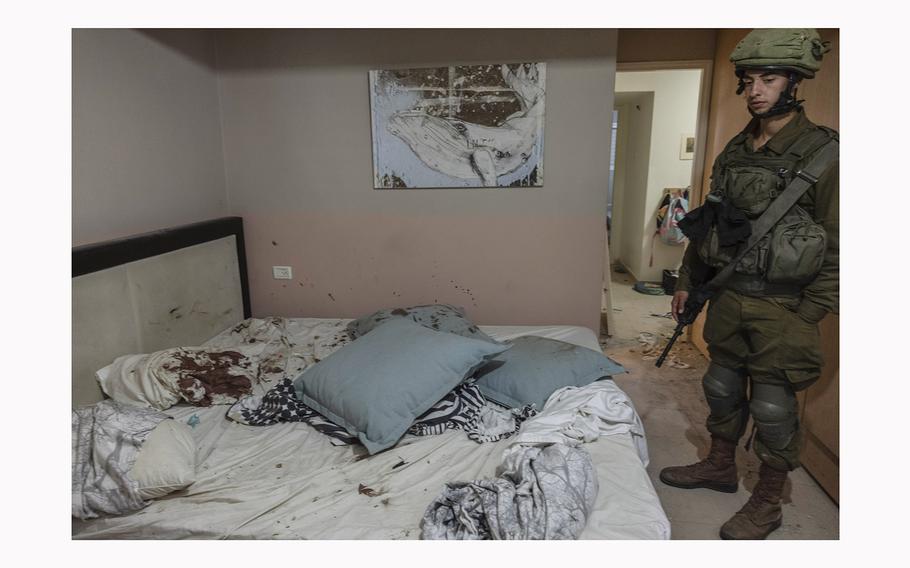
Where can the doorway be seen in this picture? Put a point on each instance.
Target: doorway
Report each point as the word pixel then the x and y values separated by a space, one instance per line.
pixel 658 141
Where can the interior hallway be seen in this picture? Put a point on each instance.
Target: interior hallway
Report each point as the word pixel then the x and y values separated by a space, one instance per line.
pixel 672 406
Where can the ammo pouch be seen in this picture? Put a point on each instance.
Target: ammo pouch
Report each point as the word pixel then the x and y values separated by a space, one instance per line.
pixel 790 253
pixel 751 188
pixel 796 249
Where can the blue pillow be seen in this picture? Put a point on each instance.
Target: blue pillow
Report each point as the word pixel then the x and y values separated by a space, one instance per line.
pixel 441 317
pixel 535 367
pixel 376 386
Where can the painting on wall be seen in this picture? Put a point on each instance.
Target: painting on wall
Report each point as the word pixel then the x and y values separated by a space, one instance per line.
pixel 458 126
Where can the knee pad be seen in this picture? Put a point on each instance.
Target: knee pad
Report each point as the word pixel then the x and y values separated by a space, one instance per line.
pixel 725 389
pixel 777 420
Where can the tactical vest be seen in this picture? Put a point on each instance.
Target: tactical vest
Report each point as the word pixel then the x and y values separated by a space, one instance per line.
pixel 790 255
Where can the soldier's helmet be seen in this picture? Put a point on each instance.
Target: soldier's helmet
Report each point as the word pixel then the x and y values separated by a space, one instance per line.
pixel 780 49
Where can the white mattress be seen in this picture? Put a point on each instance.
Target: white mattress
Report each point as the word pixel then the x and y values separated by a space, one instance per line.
pixel 287 481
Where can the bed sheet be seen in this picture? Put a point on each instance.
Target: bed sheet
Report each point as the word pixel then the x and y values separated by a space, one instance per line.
pixel 286 481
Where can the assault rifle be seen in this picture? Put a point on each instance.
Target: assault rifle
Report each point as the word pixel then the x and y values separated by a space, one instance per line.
pixel 694 304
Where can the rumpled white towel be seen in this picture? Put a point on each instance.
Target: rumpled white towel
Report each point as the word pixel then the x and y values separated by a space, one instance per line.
pixel 575 415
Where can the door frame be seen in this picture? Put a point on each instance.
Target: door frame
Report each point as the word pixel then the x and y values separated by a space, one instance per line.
pixel 704 104
pixel 698 166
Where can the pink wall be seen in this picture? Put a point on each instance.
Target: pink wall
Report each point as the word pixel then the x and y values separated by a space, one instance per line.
pixel 298 163
pixel 346 265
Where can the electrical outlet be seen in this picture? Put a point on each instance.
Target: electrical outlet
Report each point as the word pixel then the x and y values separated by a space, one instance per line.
pixel 282 272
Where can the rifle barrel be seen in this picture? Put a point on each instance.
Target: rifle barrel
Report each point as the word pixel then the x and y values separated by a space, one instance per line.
pixel 676 334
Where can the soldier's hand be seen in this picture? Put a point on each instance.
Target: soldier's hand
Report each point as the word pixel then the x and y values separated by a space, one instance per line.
pixel 678 304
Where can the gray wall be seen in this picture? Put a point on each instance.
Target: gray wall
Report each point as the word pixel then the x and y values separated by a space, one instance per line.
pixel 146 132
pixel 297 154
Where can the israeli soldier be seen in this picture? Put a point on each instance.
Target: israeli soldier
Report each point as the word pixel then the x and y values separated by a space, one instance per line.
pixel 762 326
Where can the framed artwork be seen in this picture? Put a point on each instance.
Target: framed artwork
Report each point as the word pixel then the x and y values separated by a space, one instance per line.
pixel 687 147
pixel 458 126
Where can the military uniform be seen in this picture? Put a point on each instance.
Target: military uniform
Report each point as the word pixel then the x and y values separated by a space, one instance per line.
pixel 762 327
pixel 768 331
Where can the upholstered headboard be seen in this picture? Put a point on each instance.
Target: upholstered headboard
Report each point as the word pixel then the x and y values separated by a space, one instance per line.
pixel 168 288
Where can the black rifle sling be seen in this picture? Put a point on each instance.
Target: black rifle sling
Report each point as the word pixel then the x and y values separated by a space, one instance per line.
pixel 803 180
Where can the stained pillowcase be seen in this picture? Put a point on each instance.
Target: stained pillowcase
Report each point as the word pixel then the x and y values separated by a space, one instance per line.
pixel 535 367
pixel 439 317
pixel 376 386
pixel 197 375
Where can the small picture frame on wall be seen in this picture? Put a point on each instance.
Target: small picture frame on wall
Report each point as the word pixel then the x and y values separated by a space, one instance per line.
pixel 687 147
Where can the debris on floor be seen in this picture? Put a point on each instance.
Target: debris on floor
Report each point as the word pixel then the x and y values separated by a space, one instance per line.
pixel 674 361
pixel 652 347
pixel 668 315
pixel 649 288
pixel 647 338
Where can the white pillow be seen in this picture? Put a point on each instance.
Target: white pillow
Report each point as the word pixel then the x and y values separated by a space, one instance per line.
pixel 166 460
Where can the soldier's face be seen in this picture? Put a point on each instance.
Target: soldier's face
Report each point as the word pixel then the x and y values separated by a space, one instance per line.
pixel 763 89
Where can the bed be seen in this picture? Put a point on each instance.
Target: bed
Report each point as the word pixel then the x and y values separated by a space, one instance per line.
pixel 288 480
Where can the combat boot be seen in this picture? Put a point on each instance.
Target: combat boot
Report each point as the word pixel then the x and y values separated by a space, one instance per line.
pixel 761 514
pixel 717 471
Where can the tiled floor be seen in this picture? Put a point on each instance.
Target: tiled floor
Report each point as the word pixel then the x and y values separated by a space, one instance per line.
pixel 672 406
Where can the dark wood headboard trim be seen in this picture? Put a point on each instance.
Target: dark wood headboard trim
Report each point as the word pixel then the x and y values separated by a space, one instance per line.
pixel 108 254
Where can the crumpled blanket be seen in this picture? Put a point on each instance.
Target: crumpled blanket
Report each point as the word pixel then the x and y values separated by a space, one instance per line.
pixel 575 415
pixel 107 437
pixel 539 493
pixel 546 483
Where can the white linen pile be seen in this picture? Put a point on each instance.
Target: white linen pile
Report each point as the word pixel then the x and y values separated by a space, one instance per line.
pixel 107 437
pixel 540 493
pixel 545 485
pixel 576 415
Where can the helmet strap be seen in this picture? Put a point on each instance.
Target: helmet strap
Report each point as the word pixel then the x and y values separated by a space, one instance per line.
pixel 786 102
